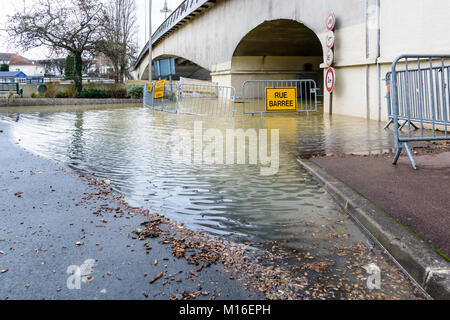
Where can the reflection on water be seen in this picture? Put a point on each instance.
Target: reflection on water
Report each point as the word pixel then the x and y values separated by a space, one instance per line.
pixel 130 146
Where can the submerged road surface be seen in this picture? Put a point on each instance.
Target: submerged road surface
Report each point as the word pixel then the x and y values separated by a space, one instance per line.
pixel 298 242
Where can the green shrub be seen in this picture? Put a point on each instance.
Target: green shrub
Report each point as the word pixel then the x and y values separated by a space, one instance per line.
pixel 136 90
pixel 35 95
pixel 118 92
pixel 62 95
pixel 94 94
pixel 51 91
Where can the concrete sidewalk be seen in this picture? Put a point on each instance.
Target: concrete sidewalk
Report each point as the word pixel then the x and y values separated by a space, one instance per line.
pixel 418 199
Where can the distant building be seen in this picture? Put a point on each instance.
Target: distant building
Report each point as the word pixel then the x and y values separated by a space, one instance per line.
pixel 19 63
pixel 13 76
pixel 53 67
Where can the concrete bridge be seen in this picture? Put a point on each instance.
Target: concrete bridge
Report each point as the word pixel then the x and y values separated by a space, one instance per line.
pixel 230 41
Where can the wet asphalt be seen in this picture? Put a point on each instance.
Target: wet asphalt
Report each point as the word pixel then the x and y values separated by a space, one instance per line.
pixel 41 222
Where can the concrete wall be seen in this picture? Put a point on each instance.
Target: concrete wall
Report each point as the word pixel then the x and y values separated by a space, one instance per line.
pixel 406 26
pixel 28 89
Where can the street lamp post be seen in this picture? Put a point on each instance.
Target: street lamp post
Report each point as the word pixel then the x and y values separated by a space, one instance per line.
pixel 165 10
pixel 150 57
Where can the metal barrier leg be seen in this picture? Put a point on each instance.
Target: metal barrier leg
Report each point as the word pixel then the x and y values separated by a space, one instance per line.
pixel 410 156
pixel 408 152
pixel 391 121
pixel 397 155
pixel 403 125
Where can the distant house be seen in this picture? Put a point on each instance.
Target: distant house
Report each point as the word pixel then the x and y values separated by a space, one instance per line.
pixel 30 68
pixel 13 76
pixel 19 63
pixel 5 58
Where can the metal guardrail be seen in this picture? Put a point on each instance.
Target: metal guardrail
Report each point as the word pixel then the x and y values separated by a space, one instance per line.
pixel 195 99
pixel 6 87
pixel 186 11
pixel 253 95
pixel 420 96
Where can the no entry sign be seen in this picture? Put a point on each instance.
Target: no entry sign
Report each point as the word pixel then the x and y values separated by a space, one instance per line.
pixel 331 22
pixel 281 99
pixel 330 79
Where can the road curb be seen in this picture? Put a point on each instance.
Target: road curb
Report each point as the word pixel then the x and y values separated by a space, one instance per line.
pixel 423 264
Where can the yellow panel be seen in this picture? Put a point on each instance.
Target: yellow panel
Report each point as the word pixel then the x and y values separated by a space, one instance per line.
pixel 281 99
pixel 159 89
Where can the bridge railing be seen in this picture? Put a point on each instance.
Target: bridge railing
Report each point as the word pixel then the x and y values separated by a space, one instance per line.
pixel 254 95
pixel 419 96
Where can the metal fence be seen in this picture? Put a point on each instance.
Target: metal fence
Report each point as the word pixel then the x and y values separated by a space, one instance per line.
pixel 254 91
pixel 167 104
pixel 193 98
pixel 419 95
pixel 208 100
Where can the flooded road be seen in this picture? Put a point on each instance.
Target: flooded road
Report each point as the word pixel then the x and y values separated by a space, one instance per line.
pixel 130 146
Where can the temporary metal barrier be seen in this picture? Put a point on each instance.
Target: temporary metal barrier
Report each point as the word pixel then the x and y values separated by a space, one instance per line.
pixel 420 96
pixel 254 95
pixel 193 98
pixel 206 100
pixel 168 103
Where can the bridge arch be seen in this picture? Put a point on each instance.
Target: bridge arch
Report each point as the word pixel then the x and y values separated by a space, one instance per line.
pixel 280 49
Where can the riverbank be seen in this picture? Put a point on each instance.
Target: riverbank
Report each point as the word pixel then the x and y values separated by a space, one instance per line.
pixel 27 102
pixel 406 210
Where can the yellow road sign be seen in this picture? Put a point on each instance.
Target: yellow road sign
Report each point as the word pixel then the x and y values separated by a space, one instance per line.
pixel 159 89
pixel 149 87
pixel 281 99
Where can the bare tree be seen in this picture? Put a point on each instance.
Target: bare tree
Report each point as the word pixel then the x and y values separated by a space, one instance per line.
pixel 61 25
pixel 119 33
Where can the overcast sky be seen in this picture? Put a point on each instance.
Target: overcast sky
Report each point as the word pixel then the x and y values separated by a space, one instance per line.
pixel 8 7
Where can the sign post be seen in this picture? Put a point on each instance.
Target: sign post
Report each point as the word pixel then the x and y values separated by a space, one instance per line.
pixel 330 74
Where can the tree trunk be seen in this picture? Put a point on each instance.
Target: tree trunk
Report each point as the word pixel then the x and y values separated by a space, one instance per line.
pixel 78 77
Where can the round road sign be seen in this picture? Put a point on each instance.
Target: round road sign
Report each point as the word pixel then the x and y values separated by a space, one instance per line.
pixel 329 58
pixel 330 79
pixel 330 39
pixel 331 22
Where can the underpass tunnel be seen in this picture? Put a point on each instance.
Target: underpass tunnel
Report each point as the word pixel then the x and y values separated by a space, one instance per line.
pixel 278 50
pixel 184 68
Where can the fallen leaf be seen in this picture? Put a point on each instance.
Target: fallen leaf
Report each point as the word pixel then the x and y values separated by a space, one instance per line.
pixel 159 276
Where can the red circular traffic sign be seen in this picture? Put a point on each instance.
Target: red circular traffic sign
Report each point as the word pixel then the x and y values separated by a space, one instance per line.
pixel 330 39
pixel 329 58
pixel 330 79
pixel 331 22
